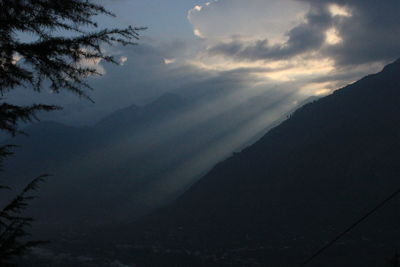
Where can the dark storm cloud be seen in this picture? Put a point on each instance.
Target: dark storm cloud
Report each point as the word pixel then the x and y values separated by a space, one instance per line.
pixel 370 34
pixel 302 38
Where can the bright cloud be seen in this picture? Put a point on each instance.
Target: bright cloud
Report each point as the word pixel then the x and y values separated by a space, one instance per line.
pixel 290 40
pixel 198 33
pixel 168 61
pixel 122 60
pixel 333 37
pixel 337 10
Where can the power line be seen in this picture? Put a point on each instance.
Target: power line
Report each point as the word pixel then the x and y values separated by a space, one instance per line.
pixel 351 227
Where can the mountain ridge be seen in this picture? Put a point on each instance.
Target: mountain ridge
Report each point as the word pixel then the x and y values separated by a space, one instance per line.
pixel 300 183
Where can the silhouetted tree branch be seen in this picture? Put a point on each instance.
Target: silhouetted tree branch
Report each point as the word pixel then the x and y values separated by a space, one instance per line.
pixel 45 43
pixel 13 224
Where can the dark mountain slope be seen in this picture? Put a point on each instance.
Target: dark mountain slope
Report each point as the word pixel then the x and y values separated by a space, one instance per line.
pixel 299 185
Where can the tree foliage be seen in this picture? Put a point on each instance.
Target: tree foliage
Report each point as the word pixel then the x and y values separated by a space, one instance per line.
pixel 44 44
pixel 47 41
pixel 13 225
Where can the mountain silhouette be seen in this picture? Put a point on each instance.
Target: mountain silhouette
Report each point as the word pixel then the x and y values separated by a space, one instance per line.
pixel 277 201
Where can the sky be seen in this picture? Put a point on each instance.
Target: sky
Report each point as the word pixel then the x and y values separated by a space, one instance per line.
pixel 306 47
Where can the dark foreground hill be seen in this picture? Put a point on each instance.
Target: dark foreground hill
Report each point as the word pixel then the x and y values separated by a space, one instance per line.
pixel 277 201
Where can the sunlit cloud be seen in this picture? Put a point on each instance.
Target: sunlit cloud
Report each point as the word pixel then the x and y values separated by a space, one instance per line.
pixel 92 63
pixel 95 64
pixel 300 71
pixel 190 15
pixel 265 39
pixel 337 10
pixel 168 61
pixel 288 40
pixel 123 60
pixel 198 33
pixel 198 8
pixel 333 37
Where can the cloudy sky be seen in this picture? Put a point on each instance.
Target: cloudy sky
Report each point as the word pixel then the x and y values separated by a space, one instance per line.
pixel 309 47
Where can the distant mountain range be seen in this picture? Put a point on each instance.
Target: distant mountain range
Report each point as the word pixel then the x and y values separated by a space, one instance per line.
pixel 277 201
pixel 132 161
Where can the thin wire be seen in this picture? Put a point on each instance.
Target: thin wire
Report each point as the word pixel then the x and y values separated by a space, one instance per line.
pixel 351 227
